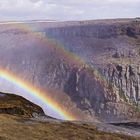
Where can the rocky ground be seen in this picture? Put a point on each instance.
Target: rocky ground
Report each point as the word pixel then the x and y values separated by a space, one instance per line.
pixel 125 128
pixel 13 128
pixel 15 125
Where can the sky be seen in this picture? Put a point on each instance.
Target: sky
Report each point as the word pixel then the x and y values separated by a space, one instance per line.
pixel 68 9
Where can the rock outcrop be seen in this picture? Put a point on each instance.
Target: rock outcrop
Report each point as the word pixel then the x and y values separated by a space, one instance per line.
pixel 16 105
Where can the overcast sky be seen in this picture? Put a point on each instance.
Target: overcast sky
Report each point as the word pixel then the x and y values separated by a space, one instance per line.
pixel 68 9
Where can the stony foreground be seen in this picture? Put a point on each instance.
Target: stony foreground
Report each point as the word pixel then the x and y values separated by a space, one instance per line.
pixel 18 122
pixel 15 128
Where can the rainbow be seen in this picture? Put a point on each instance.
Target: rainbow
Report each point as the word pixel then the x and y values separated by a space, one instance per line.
pixel 44 96
pixel 62 50
pixel 10 77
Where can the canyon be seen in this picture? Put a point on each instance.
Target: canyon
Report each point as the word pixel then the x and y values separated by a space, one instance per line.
pixel 91 68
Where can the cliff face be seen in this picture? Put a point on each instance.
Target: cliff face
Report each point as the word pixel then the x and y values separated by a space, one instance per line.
pixel 112 49
pixel 91 66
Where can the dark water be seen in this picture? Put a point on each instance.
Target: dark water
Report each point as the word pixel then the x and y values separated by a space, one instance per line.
pixel 2 95
pixel 130 125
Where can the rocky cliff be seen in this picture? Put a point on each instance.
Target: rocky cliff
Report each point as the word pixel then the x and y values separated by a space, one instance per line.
pixel 90 66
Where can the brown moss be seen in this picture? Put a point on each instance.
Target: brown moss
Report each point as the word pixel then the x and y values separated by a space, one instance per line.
pixel 16 127
pixel 13 104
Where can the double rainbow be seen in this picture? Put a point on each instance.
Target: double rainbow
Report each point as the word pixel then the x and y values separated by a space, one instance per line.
pixel 43 96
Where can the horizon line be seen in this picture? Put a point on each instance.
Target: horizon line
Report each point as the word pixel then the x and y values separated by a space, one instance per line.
pixel 53 20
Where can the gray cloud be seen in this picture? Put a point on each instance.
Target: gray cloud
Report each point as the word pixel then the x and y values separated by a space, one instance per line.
pixel 68 10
